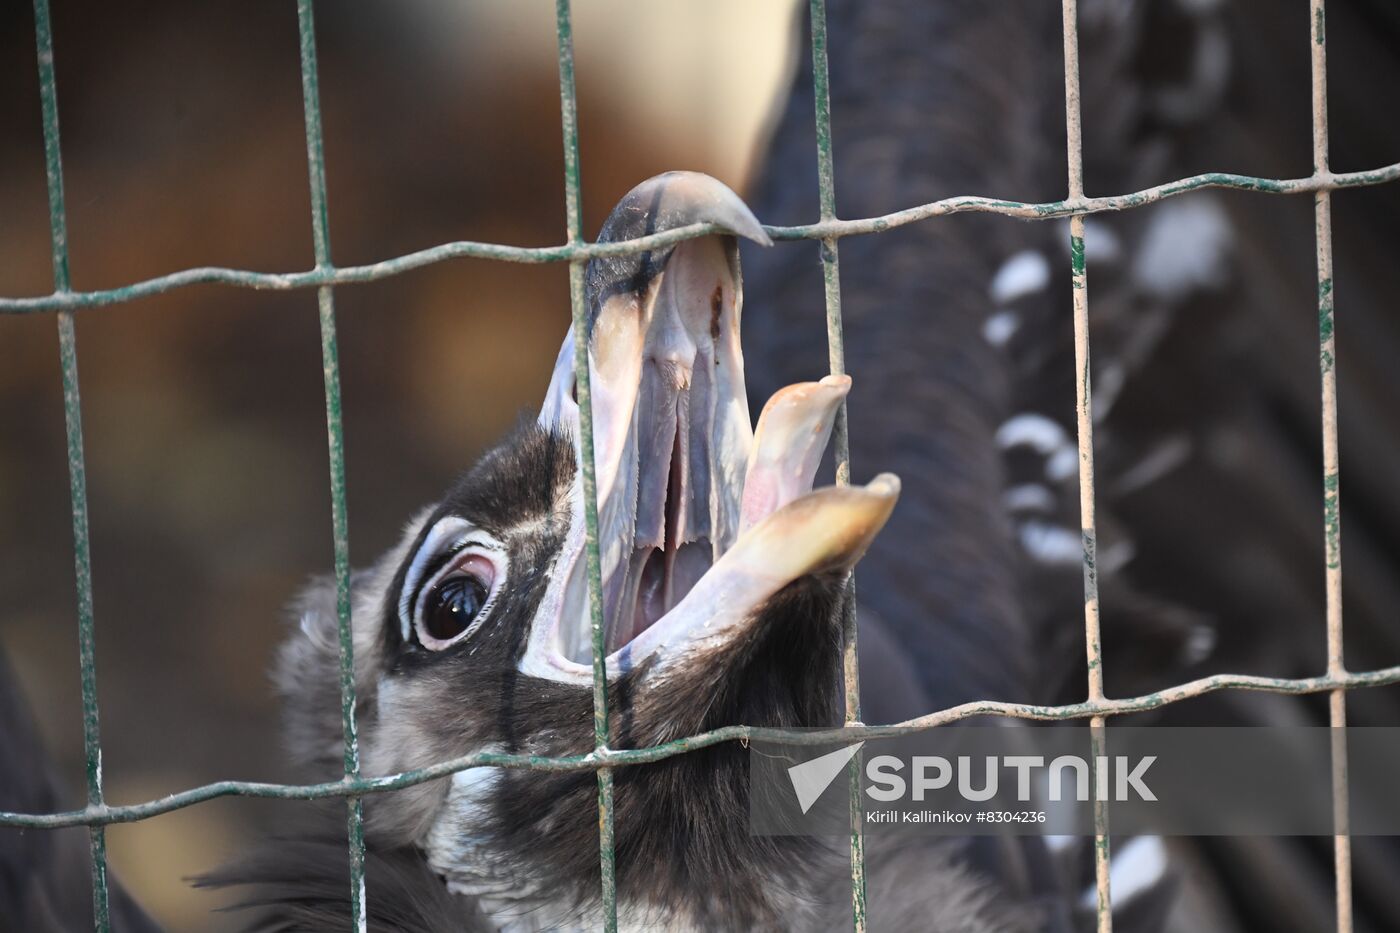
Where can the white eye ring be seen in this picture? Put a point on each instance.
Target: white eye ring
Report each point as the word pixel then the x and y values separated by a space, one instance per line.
pixel 464 544
pixel 469 562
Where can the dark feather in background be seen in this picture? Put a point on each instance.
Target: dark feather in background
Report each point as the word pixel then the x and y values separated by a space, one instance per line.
pixel 1203 314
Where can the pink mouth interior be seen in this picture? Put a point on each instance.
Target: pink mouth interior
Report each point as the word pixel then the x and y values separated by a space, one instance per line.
pixel 657 578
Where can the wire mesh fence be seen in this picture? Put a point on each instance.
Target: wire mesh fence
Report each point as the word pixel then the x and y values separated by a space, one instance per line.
pixel 576 250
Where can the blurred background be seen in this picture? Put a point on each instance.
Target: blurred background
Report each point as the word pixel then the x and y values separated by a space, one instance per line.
pixel 183 146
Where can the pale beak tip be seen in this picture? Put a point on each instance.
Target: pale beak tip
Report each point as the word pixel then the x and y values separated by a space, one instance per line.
pixel 736 218
pixel 842 382
pixel 886 486
pixel 694 197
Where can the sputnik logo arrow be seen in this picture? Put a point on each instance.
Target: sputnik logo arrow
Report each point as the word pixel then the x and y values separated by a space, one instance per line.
pixel 811 778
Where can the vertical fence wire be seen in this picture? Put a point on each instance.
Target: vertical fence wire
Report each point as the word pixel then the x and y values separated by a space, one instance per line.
pixel 1332 516
pixel 568 108
pixel 77 468
pixel 1085 422
pixel 335 440
pixel 836 351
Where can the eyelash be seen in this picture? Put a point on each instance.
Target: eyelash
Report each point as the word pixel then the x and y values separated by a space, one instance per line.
pixel 452 562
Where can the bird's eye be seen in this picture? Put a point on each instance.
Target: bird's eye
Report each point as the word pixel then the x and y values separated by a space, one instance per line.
pixel 452 606
pixel 454 602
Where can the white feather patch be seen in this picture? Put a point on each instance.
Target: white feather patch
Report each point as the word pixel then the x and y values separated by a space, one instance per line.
pixel 1063 464
pixel 1199 644
pixel 1001 327
pixel 1185 248
pixel 1133 870
pixel 1030 497
pixel 1033 430
pixel 1101 242
pixel 1023 274
pixel 1051 544
pixel 1045 437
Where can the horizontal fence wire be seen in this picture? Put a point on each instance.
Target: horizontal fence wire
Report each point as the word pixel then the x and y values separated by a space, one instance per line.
pixel 465 249
pixel 577 251
pixel 631 757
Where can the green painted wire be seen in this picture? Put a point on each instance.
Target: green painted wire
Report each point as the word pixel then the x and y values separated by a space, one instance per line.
pixel 841 443
pixel 77 469
pixel 636 756
pixel 569 252
pixel 568 110
pixel 335 441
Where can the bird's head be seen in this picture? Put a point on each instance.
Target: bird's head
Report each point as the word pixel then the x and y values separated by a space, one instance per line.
pixel 722 584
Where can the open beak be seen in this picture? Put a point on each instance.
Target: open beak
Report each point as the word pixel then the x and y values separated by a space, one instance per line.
pixel 702 518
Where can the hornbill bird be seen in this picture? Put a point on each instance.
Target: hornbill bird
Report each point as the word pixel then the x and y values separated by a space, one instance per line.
pixel 722 584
